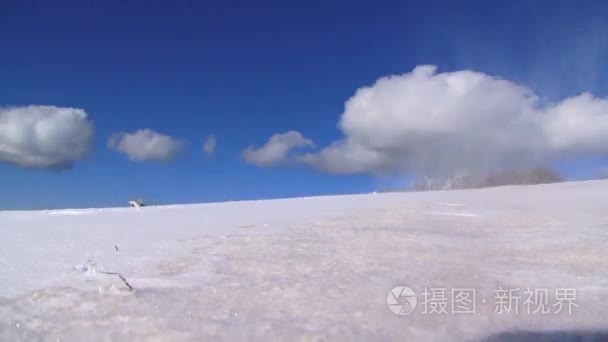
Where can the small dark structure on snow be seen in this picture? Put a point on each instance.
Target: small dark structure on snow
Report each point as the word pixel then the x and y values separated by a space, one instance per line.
pixel 137 203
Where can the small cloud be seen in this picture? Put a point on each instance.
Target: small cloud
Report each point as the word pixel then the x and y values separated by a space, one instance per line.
pixel 276 150
pixel 145 145
pixel 44 136
pixel 209 145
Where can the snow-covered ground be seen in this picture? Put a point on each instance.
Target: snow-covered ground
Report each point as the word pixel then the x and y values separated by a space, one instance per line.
pixel 311 268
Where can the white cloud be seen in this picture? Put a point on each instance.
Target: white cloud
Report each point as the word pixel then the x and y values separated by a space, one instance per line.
pixel 145 145
pixel 44 136
pixel 276 150
pixel 432 123
pixel 209 145
pixel 578 125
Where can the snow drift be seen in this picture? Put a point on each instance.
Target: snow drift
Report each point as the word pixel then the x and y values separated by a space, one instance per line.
pixel 308 268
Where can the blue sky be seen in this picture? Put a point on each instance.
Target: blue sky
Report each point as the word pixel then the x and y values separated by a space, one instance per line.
pixel 245 70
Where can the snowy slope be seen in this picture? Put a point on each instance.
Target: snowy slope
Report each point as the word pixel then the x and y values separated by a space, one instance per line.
pixel 308 268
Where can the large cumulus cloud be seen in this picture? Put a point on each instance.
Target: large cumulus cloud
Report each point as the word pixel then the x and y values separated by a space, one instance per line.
pixel 44 136
pixel 145 145
pixel 435 123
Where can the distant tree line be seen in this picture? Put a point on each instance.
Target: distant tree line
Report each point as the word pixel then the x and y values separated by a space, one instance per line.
pixel 471 179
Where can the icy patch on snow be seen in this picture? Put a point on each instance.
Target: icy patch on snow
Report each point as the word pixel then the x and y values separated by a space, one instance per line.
pixel 106 281
pixel 450 213
pixel 72 212
pixel 451 204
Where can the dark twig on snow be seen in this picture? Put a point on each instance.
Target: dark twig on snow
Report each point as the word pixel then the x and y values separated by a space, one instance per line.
pixel 121 278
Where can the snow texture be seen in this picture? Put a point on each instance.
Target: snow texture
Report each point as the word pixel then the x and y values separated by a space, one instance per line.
pixel 307 268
